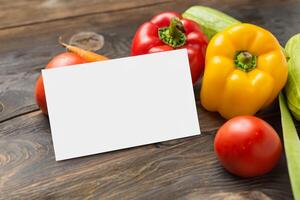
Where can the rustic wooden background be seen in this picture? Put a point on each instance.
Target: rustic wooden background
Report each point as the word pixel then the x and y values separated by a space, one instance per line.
pixel 178 169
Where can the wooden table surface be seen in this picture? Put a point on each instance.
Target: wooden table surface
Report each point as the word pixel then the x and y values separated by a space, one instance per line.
pixel 178 169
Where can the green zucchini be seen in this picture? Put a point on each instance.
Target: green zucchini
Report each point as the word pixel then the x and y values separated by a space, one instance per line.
pixel 211 20
pixel 292 87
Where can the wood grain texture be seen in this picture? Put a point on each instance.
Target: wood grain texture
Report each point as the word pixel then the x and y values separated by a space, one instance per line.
pixel 18 13
pixel 178 169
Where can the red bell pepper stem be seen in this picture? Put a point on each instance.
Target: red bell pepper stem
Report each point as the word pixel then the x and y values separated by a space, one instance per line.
pixel 176 28
pixel 174 34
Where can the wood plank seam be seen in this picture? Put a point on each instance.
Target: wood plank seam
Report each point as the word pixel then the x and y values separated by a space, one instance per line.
pixel 19 115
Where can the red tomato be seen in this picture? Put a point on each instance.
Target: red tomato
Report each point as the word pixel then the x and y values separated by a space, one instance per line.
pixel 247 146
pixel 60 60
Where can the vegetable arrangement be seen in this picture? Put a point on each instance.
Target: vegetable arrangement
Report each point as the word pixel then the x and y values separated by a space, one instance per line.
pixel 244 67
pixel 271 64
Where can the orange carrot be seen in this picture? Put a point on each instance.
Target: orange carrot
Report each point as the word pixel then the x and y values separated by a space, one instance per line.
pixel 86 55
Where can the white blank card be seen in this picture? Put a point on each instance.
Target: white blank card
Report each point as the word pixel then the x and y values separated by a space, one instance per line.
pixel 121 103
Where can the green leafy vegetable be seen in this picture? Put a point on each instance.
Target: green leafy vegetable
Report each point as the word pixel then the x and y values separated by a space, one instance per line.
pixel 292 88
pixel 292 147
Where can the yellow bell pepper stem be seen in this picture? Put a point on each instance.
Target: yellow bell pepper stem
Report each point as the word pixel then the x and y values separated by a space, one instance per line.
pixel 245 69
pixel 245 61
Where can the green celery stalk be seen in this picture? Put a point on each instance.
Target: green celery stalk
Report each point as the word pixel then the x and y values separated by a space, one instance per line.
pixel 291 145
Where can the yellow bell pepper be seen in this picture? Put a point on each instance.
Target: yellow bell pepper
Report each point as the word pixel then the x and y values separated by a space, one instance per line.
pixel 245 69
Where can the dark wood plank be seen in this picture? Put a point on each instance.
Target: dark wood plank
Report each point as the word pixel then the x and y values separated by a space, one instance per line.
pixel 17 13
pixel 178 169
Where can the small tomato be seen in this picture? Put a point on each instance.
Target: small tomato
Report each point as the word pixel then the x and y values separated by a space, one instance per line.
pixel 247 146
pixel 63 59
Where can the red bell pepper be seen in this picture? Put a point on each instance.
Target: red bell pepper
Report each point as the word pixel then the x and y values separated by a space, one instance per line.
pixel 168 31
